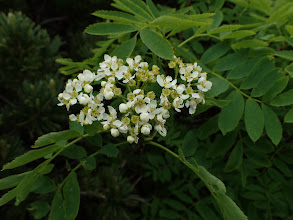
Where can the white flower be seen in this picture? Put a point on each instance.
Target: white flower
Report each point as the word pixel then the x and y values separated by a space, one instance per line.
pixel 72 117
pixel 144 117
pixel 178 103
pixel 130 139
pixel 180 89
pixel 166 82
pixel 146 130
pixel 88 88
pixel 161 130
pixel 204 86
pixel 83 99
pixel 192 104
pixel 114 132
pixel 123 108
pixel 108 93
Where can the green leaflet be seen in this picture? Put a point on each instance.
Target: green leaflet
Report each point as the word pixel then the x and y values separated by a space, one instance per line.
pixel 74 152
pixel 289 69
pixel 254 119
pixel 157 43
pixel 249 44
pixel 185 21
pixel 216 185
pixel 225 28
pixel 190 143
pixel 109 150
pixel 235 159
pixel 231 113
pixel 117 16
pixel 229 208
pixel 125 49
pixel 218 18
pixel 237 35
pixel 71 193
pixel 265 84
pixel 76 126
pixel 278 87
pixel 57 208
pixel 108 28
pixel 230 61
pixel 54 137
pixel 289 116
pixel 215 52
pixel 242 70
pixel 208 128
pixel 153 8
pixel 290 29
pixel 31 156
pixel 136 7
pixel 283 99
pixel 220 85
pixel 273 125
pixel 39 209
pixel 288 55
pixel 11 181
pixel 257 73
pixel 89 163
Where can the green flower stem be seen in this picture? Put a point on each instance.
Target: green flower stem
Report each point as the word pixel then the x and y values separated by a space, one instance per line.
pixel 198 35
pixel 235 87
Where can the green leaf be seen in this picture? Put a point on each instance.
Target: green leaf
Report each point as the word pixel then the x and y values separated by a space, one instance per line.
pixel 231 113
pixel 289 116
pixel 225 28
pixel 117 16
pixel 136 7
pixel 208 128
pixel 31 156
pixel 190 143
pixel 222 144
pixel 96 140
pixel 94 128
pixel 89 163
pixel 238 34
pixel 39 209
pixel 218 18
pixel 108 28
pixel 278 87
pixel 273 125
pixel 57 208
pixel 11 181
pixel 242 70
pixel 125 50
pixel 289 69
pixel 109 150
pixel 230 61
pixel 184 21
pixel 286 54
pixel 43 185
pixel 254 119
pixel 153 8
pixel 215 52
pixel 258 158
pixel 229 208
pixel 220 85
pixel 257 73
pixel 169 214
pixel 71 193
pixel 74 152
pixel 157 43
pixel 235 159
pixel 54 137
pixel 76 126
pixel 249 44
pixel 283 99
pixel 289 28
pixel 216 184
pixel 265 84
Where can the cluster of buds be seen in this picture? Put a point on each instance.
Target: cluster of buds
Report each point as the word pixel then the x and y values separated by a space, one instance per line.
pixel 140 111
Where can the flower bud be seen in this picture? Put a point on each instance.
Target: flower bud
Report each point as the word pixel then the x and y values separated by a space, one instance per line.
pixel 145 130
pixel 106 126
pixel 88 88
pixel 144 117
pixel 114 132
pixel 130 139
pixel 108 95
pixel 123 108
pixel 103 83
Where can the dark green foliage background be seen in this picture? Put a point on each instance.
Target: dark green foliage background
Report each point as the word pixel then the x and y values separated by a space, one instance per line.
pixel 246 152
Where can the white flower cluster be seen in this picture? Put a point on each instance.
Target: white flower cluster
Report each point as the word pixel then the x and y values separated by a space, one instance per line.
pixel 139 111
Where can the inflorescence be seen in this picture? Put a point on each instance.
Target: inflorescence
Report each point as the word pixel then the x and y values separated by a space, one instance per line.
pixel 140 111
